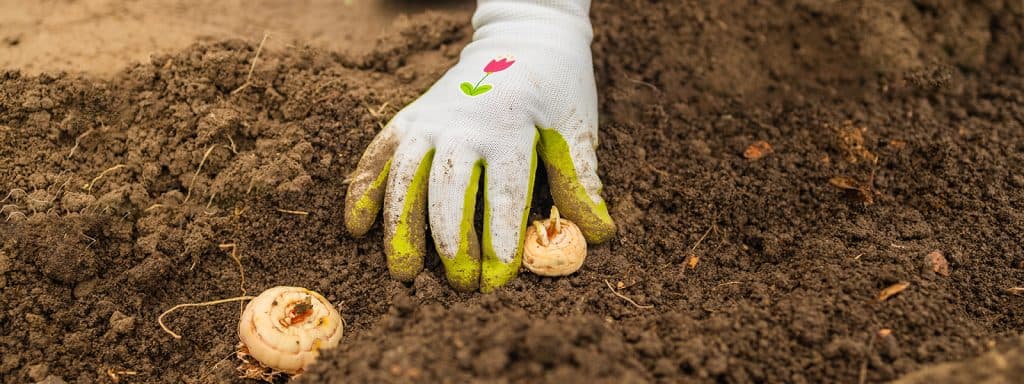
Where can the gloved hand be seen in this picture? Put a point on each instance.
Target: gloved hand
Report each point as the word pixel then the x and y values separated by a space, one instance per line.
pixel 523 86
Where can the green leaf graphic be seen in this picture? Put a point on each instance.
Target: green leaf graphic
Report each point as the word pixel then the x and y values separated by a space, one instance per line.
pixel 482 90
pixel 467 88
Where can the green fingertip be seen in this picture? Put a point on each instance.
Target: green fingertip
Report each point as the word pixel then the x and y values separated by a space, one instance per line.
pixel 495 272
pixel 463 270
pixel 571 198
pixel 360 216
pixel 406 248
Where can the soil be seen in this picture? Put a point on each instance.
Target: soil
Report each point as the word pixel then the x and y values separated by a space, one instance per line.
pixel 892 129
pixel 102 37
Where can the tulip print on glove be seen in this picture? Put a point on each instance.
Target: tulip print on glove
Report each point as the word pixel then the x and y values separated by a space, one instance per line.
pixel 492 67
pixel 427 164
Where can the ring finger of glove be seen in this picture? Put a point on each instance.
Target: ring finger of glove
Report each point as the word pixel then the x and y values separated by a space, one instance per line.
pixel 454 181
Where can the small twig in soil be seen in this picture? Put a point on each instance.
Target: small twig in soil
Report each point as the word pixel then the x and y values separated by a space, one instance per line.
pixel 34 200
pixel 379 111
pixel 91 242
pixel 13 210
pixel 154 206
pixel 697 244
pixel 382 108
pixel 692 259
pixel 209 204
pixel 62 186
pixel 251 184
pixel 1019 291
pixel 234 149
pixel 252 66
pixel 115 374
pixel 22 214
pixel 77 140
pixel 160 319
pixel 238 261
pixel 88 187
pixel 13 207
pixel 727 283
pixel 241 270
pixel 621 296
pixel 288 211
pixel 641 82
pixel 11 192
pixel 201 162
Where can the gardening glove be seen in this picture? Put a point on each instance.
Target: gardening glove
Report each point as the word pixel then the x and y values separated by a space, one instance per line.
pixel 523 86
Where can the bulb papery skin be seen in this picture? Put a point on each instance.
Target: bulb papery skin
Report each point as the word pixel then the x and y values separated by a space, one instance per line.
pixel 279 338
pixel 563 255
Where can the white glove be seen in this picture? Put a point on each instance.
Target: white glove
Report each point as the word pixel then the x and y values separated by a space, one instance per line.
pixel 523 86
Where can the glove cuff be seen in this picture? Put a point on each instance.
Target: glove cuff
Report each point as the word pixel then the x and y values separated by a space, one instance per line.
pixel 545 19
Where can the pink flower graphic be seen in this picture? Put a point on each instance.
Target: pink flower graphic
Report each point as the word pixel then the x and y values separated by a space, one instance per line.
pixel 496 65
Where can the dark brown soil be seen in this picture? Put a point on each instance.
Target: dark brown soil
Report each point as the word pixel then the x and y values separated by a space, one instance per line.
pixel 896 129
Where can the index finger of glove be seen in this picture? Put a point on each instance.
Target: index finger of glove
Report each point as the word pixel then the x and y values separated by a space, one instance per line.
pixel 366 186
pixel 575 186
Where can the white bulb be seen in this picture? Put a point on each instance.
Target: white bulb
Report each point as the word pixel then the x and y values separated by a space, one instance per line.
pixel 285 328
pixel 554 247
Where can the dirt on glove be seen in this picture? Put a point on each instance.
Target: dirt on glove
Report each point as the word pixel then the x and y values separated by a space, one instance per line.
pixel 895 129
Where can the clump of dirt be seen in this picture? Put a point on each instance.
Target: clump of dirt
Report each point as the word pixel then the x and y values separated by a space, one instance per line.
pixel 1000 365
pixel 120 193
